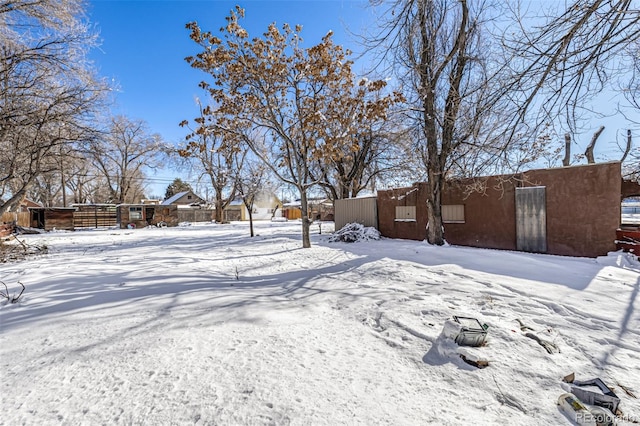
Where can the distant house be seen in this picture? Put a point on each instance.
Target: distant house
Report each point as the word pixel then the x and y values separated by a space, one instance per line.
pixel 19 214
pixel 25 204
pixel 190 207
pixel 184 199
pixel 266 206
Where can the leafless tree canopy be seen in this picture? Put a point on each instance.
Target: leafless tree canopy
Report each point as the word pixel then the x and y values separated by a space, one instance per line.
pixel 561 57
pixel 487 82
pixel 48 91
pixel 121 154
pixel 437 51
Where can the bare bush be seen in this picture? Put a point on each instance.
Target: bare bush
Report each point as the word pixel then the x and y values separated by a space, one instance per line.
pixel 7 295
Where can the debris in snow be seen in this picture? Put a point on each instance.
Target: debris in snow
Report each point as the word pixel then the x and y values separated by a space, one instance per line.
pixel 574 409
pixel 550 347
pixel 627 390
pixel 478 364
pixel 471 333
pixel 447 347
pixel 593 392
pixel 523 326
pixel 584 413
pixel 352 232
pixel 11 252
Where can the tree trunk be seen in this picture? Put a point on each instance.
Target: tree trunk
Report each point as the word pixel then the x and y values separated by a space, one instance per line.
pixel 63 184
pixel 589 152
pixel 306 223
pixel 218 204
pixel 567 150
pixel 435 232
pixel 628 148
pixel 12 201
pixel 250 211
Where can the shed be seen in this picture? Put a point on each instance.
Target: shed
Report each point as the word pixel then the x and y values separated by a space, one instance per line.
pixel 50 218
pixel 142 215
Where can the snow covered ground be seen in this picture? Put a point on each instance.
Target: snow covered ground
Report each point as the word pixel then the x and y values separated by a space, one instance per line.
pixel 204 325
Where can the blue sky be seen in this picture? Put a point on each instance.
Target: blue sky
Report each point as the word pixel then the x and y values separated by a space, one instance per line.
pixel 143 45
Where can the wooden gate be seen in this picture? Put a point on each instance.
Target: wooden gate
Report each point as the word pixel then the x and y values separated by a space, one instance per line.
pixel 531 219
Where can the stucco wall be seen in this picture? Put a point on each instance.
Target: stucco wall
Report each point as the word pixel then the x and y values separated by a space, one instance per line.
pixel 409 196
pixel 490 219
pixel 583 208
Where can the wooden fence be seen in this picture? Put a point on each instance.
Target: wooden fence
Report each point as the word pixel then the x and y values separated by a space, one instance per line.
pixel 95 216
pixel 195 215
pixel 20 218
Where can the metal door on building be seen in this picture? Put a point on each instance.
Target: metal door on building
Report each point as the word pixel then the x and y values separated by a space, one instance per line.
pixel 531 219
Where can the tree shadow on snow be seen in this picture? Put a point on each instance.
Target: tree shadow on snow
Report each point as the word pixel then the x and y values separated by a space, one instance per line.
pixel 624 327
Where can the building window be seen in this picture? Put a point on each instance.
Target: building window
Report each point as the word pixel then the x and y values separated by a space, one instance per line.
pixel 453 213
pixel 406 213
pixel 135 213
pixel 188 197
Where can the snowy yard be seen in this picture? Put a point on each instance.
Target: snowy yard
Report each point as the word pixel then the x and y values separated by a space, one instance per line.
pixel 204 325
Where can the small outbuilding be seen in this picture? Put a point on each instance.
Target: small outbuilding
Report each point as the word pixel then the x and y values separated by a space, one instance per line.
pixel 571 211
pixel 50 218
pixel 143 215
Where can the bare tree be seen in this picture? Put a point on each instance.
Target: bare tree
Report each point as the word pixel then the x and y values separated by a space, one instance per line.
pixel 48 92
pixel 563 56
pixel 252 182
pixel 121 156
pixel 631 90
pixel 217 156
pixel 84 181
pixel 437 50
pixel 276 96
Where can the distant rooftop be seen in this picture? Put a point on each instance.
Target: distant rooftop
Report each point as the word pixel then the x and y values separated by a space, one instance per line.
pixel 174 198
